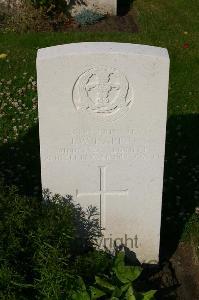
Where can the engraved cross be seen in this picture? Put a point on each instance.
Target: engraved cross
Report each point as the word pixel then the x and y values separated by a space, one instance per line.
pixel 102 193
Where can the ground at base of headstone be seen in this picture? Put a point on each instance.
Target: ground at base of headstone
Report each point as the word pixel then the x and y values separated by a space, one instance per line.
pixel 176 278
pixel 186 266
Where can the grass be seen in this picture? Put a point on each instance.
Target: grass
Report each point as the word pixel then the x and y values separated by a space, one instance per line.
pixel 172 24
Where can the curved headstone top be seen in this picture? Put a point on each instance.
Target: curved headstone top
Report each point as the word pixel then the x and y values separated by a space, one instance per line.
pixel 101 47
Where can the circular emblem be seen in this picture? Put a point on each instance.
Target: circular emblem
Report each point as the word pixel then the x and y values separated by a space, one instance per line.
pixel 103 92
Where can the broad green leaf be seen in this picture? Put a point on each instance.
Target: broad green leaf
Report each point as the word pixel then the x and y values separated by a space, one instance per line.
pixel 125 287
pixel 127 273
pixel 96 293
pixel 117 292
pixel 83 295
pixel 149 295
pixel 119 260
pixel 81 284
pixel 82 292
pixel 104 283
pixel 129 294
pixel 124 273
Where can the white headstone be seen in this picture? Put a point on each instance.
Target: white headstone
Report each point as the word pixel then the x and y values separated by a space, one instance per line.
pixel 101 6
pixel 102 111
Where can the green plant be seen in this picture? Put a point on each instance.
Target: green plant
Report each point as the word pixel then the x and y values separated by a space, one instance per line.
pixel 89 264
pixel 88 17
pixel 119 285
pixel 40 243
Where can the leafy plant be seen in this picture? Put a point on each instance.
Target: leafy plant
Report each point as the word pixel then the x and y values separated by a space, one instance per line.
pixel 47 251
pixel 88 17
pixel 40 243
pixel 119 285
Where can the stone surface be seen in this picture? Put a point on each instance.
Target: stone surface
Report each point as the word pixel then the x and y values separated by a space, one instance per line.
pixel 102 111
pixel 102 6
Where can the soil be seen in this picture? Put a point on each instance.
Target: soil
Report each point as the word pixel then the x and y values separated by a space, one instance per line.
pixel 175 279
pixel 124 23
pixel 179 277
pixel 186 265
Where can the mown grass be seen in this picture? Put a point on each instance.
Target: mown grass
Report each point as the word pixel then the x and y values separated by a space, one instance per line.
pixel 172 24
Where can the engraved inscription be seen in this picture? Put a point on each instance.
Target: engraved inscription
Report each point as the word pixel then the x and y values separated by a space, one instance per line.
pixel 103 145
pixel 103 193
pixel 102 91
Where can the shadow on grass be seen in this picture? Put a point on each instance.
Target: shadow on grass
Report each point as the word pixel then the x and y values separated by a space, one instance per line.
pixel 20 166
pixel 181 186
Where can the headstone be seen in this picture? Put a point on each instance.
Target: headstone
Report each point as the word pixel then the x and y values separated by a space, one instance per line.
pixel 102 6
pixel 102 111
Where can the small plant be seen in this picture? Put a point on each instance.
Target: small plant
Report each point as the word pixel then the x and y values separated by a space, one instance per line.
pixel 88 17
pixel 119 285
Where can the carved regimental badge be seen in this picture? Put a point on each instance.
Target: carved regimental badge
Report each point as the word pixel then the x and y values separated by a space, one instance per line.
pixel 102 91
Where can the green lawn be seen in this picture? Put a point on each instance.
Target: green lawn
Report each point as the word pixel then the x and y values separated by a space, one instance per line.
pixel 172 24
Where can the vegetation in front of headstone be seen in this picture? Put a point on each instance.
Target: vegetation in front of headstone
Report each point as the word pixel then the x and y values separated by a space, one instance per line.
pixel 88 17
pixel 89 264
pixel 16 225
pixel 118 285
pixel 41 245
pixel 47 251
